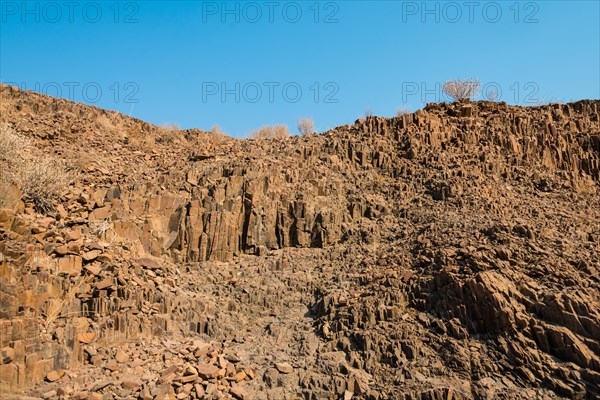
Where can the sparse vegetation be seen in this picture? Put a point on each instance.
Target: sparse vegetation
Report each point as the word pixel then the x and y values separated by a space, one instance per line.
pixel 460 90
pixel 171 126
pixel 402 111
pixel 10 196
pixel 271 132
pixel 218 135
pixel 55 306
pixel 545 101
pixel 12 147
pixel 368 112
pixel 40 180
pixel 492 95
pixel 217 131
pixel 101 230
pixel 306 126
pixel 168 133
pixel 186 268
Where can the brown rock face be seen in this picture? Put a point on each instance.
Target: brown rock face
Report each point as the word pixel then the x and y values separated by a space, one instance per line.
pixel 448 253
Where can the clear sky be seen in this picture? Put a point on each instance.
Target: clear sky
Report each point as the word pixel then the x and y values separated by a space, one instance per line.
pixel 245 64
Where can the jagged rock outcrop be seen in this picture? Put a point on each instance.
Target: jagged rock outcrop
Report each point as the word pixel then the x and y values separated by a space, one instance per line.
pixel 452 252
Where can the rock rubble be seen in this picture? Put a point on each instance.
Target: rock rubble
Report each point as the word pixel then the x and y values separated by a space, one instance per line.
pixel 448 253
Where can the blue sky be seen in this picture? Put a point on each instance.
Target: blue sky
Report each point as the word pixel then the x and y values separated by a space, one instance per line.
pixel 242 65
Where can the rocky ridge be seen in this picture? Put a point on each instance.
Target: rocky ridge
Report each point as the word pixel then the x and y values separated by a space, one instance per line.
pixel 452 252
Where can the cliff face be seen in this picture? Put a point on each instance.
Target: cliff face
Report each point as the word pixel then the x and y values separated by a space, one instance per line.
pixel 296 193
pixel 452 251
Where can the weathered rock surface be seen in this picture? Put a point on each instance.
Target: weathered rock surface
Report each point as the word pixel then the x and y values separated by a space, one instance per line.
pixel 449 253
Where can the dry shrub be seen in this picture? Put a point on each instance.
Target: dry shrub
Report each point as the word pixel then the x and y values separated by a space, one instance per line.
pixel 217 131
pixel 143 143
pixel 306 126
pixel 40 180
pixel 10 195
pixel 103 230
pixel 100 228
pixel 107 124
pixel 492 95
pixel 55 306
pixel 402 111
pixel 168 133
pixel 83 160
pixel 171 126
pixel 12 146
pixel 544 101
pixel 271 132
pixel 459 90
pixel 217 135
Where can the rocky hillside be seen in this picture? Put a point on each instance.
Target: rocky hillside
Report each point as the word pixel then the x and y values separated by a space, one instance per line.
pixel 449 253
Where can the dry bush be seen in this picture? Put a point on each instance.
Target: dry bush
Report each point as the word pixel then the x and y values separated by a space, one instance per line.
pixel 492 95
pixel 12 146
pixel 217 135
pixel 100 228
pixel 459 90
pixel 171 126
pixel 544 101
pixel 168 133
pixel 83 160
pixel 10 195
pixel 106 123
pixel 306 126
pixel 368 112
pixel 104 231
pixel 402 111
pixel 271 132
pixel 40 180
pixel 55 306
pixel 145 143
pixel 217 131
